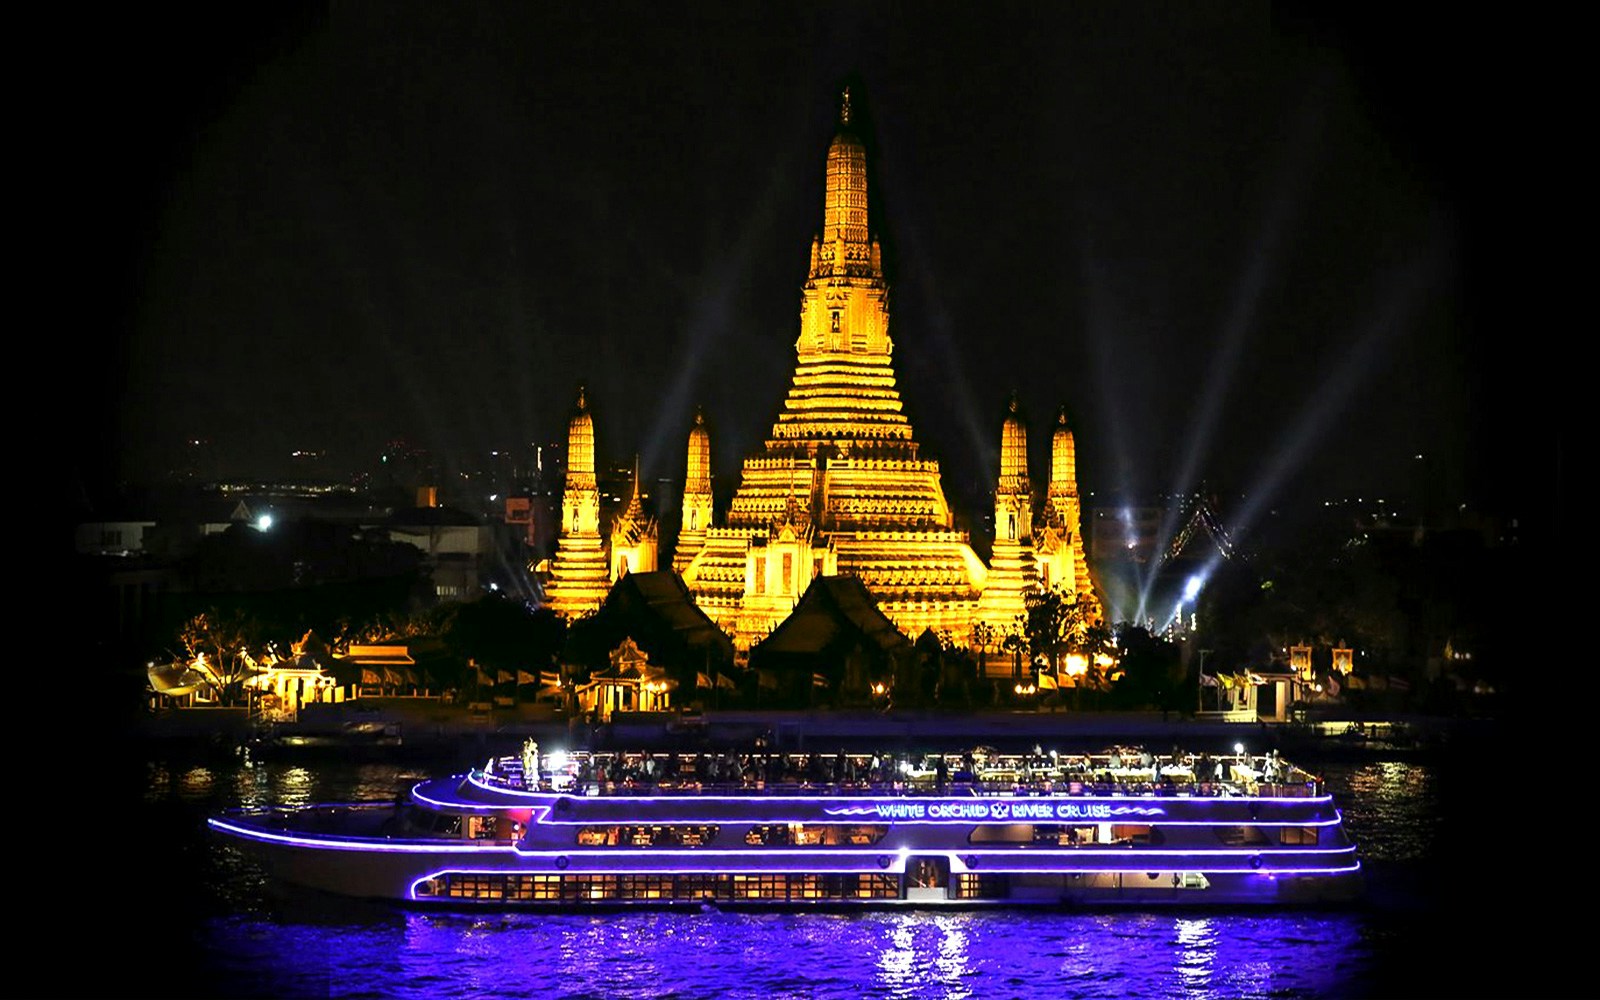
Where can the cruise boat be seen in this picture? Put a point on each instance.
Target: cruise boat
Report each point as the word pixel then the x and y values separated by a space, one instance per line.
pixel 980 828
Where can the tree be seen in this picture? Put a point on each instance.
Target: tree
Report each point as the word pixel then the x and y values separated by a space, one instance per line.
pixel 1058 624
pixel 1152 670
pixel 983 636
pixel 227 649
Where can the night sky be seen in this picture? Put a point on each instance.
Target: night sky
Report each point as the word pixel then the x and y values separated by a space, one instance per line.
pixel 1247 245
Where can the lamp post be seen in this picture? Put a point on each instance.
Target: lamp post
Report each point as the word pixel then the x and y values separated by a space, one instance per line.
pixel 1200 683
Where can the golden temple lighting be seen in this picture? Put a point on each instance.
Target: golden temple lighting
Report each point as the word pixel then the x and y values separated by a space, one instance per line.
pixel 839 486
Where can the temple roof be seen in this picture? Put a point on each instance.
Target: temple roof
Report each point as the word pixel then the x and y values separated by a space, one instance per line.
pixel 834 612
pixel 657 612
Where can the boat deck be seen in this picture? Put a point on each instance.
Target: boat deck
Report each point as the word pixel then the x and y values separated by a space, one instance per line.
pixel 1113 773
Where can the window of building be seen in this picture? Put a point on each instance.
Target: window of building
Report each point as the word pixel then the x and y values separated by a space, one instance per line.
pixel 1302 835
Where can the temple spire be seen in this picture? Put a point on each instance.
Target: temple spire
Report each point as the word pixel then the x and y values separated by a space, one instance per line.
pixel 696 495
pixel 845 235
pixel 578 575
pixel 634 507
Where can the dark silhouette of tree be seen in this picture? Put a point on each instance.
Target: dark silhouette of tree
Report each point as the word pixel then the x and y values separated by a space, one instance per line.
pixel 1152 671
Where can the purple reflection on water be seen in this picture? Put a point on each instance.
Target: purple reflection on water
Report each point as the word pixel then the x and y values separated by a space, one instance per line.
pixel 844 956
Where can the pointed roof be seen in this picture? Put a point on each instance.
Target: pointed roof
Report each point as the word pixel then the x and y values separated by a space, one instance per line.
pixel 656 611
pixel 834 613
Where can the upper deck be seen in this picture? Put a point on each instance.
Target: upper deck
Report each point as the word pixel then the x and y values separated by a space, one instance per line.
pixel 1114 773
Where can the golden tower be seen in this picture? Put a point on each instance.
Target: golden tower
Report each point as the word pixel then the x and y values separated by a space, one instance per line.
pixel 839 486
pixel 1012 573
pixel 696 495
pixel 579 578
pixel 1058 542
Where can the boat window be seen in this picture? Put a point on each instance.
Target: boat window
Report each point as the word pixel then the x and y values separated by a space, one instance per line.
pixel 816 834
pixel 997 833
pixel 1063 835
pixel 681 835
pixel 1136 834
pixel 1298 835
pixel 981 887
pixel 1239 836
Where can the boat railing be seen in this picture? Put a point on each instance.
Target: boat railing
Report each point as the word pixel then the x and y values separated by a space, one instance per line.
pixel 1227 776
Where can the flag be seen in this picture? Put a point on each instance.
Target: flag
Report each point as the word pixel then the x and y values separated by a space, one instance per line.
pixel 702 681
pixel 1333 686
pixel 817 680
pixel 505 677
pixel 524 677
pixel 1206 680
pixel 483 675
pixel 549 678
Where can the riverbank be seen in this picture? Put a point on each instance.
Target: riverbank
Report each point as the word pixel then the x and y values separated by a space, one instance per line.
pixel 412 727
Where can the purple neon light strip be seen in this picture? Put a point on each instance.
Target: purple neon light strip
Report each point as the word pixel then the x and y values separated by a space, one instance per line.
pixel 333 842
pixel 810 821
pixel 1070 852
pixel 1274 873
pixel 370 846
pixel 472 807
pixel 362 845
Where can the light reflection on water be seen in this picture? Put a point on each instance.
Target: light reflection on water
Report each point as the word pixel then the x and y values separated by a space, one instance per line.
pixel 260 943
pixel 196 782
pixel 910 955
pixel 1390 807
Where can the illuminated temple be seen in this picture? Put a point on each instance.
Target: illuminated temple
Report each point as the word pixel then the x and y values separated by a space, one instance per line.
pixel 839 487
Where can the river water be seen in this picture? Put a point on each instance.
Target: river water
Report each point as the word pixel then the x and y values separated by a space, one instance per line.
pixel 211 925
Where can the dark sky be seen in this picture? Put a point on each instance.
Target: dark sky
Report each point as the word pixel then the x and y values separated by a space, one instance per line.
pixel 1249 244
